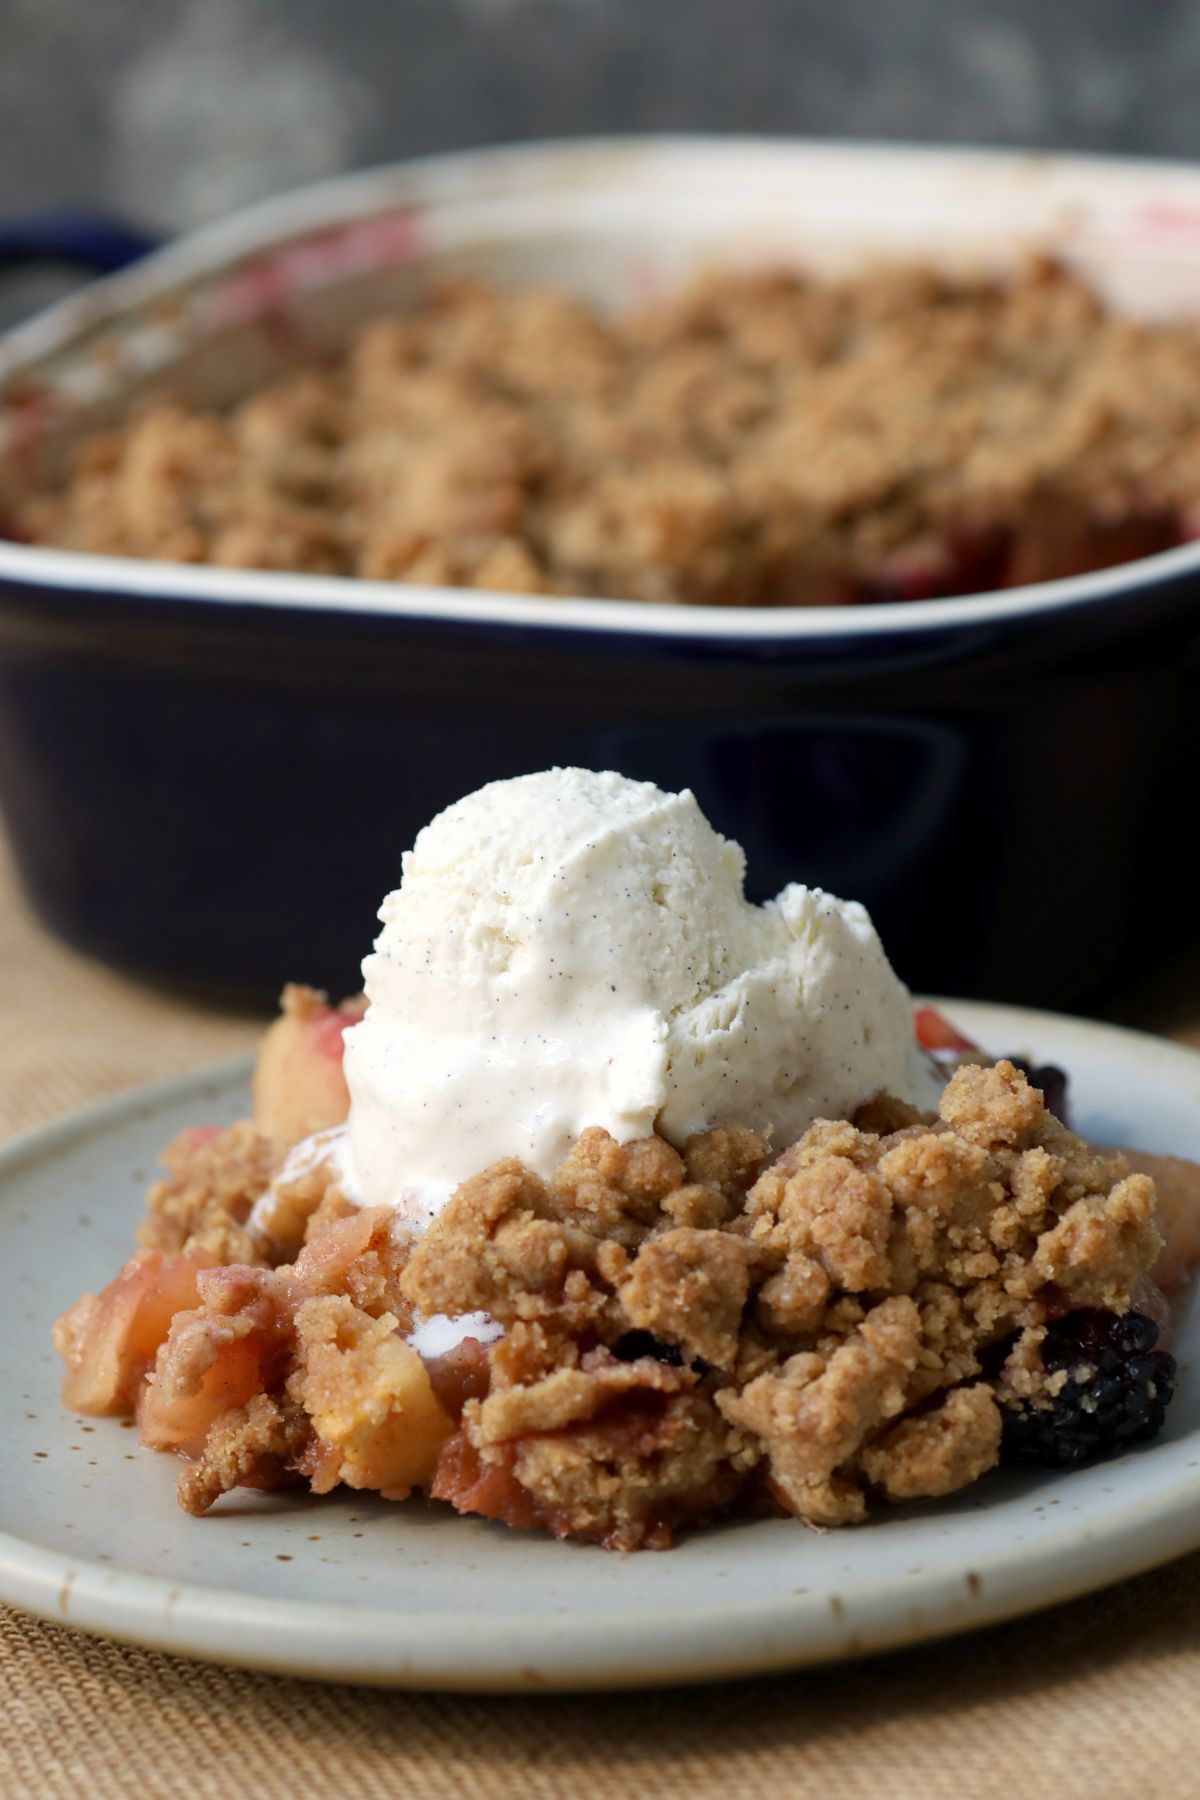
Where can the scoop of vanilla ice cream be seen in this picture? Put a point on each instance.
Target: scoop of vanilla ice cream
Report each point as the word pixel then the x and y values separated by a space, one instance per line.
pixel 572 949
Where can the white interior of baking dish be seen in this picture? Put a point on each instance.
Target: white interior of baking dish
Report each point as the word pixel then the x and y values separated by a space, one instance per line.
pixel 620 222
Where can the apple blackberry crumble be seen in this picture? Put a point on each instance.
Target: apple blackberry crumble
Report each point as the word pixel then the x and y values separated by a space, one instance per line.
pixel 654 1338
pixel 627 1207
pixel 764 439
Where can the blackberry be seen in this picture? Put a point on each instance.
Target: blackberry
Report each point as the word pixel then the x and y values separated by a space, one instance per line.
pixel 1117 1392
pixel 1050 1082
pixel 634 1344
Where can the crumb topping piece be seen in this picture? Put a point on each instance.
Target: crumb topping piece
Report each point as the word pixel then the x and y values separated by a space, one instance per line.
pixel 204 1202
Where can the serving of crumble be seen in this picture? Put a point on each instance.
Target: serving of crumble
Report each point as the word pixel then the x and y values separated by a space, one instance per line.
pixel 619 1204
pixel 652 1338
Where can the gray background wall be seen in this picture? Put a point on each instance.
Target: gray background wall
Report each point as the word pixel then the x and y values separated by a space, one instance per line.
pixel 175 110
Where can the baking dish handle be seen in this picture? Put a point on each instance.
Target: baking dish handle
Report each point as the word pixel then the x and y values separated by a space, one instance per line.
pixel 79 240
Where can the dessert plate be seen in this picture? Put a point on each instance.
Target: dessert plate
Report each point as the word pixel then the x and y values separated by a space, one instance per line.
pixel 354 1589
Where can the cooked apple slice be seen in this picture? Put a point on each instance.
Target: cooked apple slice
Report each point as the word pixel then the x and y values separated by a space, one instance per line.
pixel 299 1087
pixel 1178 1184
pixel 377 1419
pixel 234 1343
pixel 179 1416
pixel 109 1340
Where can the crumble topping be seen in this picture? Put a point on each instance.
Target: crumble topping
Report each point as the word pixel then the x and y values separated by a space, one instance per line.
pixel 680 1335
pixel 937 1452
pixel 213 1180
pixel 256 1445
pixel 763 439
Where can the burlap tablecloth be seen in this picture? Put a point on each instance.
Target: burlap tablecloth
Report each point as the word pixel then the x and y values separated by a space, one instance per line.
pixel 1100 1698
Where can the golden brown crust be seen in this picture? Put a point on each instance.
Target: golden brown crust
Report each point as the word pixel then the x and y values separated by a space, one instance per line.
pixel 764 439
pixel 863 1276
pixel 689 1288
pixel 213 1179
pixel 631 1481
pixel 811 1416
pixel 256 1445
pixel 939 1451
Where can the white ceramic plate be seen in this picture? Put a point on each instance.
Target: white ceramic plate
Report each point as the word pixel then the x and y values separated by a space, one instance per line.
pixel 350 1588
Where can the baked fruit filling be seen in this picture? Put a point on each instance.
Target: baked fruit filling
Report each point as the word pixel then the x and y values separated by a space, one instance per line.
pixel 762 440
pixel 652 1337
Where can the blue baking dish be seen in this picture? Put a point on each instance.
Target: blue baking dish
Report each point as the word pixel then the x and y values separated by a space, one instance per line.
pixel 209 775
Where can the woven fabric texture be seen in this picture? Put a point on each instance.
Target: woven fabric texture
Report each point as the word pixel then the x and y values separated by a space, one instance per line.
pixel 1097 1699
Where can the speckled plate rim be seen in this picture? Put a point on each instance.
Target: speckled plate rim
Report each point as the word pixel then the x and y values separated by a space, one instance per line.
pixel 1152 1515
